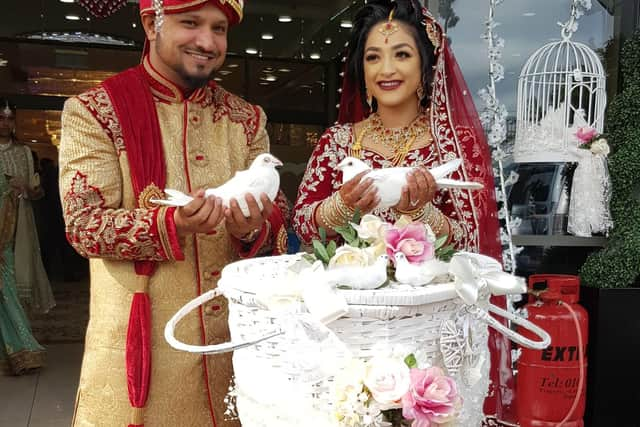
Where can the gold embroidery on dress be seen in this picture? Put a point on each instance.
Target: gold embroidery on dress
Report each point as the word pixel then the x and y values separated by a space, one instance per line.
pixel 281 241
pixel 92 232
pixel 97 101
pixel 151 191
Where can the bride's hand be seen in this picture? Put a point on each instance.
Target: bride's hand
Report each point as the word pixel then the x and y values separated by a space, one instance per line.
pixel 359 193
pixel 420 189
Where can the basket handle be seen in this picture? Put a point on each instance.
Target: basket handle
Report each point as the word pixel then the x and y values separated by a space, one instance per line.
pixel 169 330
pixel 545 338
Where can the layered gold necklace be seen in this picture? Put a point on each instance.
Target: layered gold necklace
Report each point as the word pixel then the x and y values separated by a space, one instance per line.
pixel 399 140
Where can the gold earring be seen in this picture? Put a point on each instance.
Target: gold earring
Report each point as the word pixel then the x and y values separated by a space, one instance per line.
pixel 420 92
pixel 370 101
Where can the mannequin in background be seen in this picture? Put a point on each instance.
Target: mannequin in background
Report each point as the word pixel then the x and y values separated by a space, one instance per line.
pixel 16 162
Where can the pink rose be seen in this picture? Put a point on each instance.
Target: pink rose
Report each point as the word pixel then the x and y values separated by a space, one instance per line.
pixel 585 134
pixel 432 398
pixel 411 240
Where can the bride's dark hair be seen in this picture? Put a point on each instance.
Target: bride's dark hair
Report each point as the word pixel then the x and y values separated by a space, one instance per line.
pixel 409 12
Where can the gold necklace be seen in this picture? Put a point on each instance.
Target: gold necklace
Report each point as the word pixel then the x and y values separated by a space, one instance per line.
pixel 399 140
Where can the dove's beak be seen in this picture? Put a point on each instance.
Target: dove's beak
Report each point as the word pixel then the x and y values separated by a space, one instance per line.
pixel 277 162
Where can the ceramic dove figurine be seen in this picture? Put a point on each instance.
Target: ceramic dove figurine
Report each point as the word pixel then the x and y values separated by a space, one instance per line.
pixel 261 177
pixel 389 181
pixel 418 274
pixel 370 277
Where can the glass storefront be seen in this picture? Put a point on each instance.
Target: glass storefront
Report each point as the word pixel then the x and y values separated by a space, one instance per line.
pixel 286 57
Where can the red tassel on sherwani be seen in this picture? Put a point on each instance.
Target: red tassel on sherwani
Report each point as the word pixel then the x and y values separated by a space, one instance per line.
pixel 138 352
pixel 133 102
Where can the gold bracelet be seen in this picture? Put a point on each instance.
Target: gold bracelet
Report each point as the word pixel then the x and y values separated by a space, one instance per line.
pixel 334 212
pixel 416 214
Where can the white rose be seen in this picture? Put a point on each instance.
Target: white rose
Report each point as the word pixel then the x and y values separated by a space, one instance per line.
pixel 600 146
pixel 349 256
pixel 387 379
pixel 371 228
pixel 349 381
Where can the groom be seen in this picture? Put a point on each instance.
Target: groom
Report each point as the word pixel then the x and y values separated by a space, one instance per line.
pixel 159 125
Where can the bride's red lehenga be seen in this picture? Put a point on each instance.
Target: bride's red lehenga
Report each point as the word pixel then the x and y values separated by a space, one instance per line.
pixel 457 133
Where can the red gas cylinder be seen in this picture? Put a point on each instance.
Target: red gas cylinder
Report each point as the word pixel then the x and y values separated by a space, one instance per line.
pixel 551 383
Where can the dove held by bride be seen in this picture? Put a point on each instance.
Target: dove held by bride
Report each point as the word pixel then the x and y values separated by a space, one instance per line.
pixel 390 181
pixel 261 177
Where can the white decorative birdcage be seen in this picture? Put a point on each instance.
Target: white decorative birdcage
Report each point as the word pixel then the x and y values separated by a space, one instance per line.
pixel 560 90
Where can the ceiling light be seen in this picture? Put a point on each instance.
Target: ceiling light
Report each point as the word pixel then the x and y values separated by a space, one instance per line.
pixel 267 36
pixel 233 65
pixel 251 50
pixel 67 1
pixel 314 55
pixel 72 17
pixel 284 18
pixel 327 41
pixel 346 24
pixel 224 72
pixel 271 78
pixel 264 83
pixel 529 14
pixel 134 25
pixel 88 19
pixel 218 79
pixel 284 70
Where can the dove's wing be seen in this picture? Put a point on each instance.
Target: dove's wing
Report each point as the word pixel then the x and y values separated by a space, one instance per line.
pixel 232 188
pixel 389 182
pixel 254 182
pixel 452 183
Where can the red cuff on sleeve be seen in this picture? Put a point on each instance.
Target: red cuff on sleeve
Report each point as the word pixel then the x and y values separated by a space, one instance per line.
pixel 172 243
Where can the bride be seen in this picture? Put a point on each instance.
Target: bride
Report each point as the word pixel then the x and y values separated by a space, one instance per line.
pixel 405 103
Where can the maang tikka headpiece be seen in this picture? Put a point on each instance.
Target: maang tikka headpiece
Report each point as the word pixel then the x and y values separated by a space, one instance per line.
pixel 389 27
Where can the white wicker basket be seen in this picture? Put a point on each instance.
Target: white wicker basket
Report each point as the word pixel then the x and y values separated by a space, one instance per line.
pixel 283 378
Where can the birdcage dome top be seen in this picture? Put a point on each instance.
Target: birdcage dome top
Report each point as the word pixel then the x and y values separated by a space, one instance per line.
pixel 560 90
pixel 564 56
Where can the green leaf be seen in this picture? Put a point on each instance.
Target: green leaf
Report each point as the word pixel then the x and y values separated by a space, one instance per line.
pixel 411 361
pixel 320 251
pixel 445 253
pixel 310 257
pixel 357 216
pixel 331 248
pixel 440 241
pixel 348 233
pixel 323 235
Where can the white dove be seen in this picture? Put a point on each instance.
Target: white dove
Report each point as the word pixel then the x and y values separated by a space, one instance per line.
pixel 261 177
pixel 418 274
pixel 389 181
pixel 370 277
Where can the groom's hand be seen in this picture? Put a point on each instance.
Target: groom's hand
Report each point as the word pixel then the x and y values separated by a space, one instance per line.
pixel 201 215
pixel 240 226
